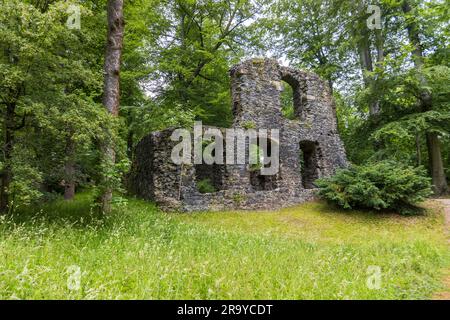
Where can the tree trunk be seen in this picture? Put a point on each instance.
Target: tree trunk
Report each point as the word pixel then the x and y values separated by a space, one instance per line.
pixel 436 165
pixel 365 58
pixel 111 97
pixel 366 62
pixel 379 43
pixel 418 151
pixel 440 186
pixel 69 169
pixel 8 144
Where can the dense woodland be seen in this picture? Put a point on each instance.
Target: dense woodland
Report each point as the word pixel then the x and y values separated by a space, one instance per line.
pixel 74 102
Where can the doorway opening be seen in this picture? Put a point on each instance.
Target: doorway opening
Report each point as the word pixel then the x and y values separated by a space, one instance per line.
pixel 291 98
pixel 259 181
pixel 309 163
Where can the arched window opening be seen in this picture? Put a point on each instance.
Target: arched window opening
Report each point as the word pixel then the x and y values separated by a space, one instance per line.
pixel 287 101
pixel 291 98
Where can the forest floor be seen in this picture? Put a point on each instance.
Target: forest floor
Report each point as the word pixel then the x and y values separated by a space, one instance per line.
pixel 63 250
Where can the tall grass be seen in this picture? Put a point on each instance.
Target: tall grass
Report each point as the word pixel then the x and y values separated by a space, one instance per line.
pixel 307 252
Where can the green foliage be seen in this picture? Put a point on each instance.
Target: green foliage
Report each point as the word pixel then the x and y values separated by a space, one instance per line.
pixel 192 44
pixel 382 185
pixel 287 101
pixel 25 189
pixel 175 66
pixel 149 116
pixel 238 197
pixel 249 125
pixel 205 186
pixel 52 77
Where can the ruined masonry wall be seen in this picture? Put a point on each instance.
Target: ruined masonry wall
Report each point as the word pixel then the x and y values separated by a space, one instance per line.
pixel 255 87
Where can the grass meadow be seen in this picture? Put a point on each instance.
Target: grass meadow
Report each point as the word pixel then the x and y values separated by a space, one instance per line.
pixel 63 250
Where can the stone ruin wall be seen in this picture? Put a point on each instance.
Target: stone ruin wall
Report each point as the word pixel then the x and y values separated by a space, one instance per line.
pixel 255 87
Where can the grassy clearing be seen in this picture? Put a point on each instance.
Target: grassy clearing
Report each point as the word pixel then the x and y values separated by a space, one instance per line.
pixel 308 252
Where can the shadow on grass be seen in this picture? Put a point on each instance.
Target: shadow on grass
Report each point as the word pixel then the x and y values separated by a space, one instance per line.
pixel 404 211
pixel 80 211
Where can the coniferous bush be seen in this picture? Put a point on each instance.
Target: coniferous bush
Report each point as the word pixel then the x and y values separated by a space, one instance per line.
pixel 382 185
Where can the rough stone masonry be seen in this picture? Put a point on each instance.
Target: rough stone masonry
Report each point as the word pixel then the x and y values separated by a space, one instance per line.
pixel 309 147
